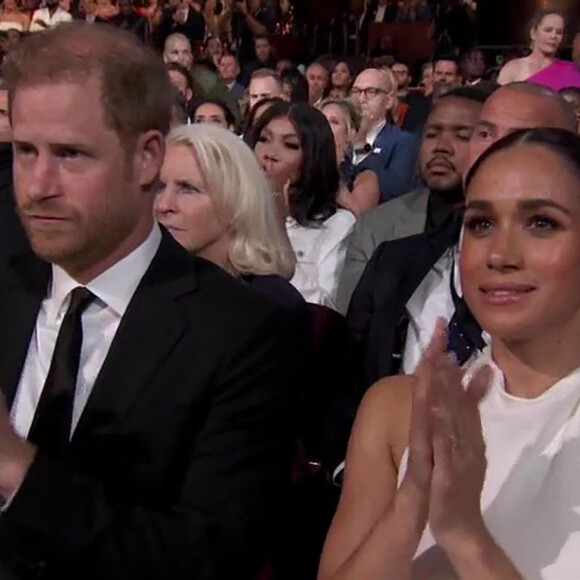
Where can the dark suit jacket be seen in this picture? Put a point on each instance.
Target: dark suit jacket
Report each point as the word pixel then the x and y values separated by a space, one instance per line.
pixel 394 160
pixel 193 28
pixel 237 91
pixel 183 451
pixel 377 311
pixel 12 237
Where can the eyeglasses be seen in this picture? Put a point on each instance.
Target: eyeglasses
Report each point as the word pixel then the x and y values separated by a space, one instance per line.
pixel 369 92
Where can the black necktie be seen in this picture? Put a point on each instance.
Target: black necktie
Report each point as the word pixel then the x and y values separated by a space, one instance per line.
pixel 464 333
pixel 53 418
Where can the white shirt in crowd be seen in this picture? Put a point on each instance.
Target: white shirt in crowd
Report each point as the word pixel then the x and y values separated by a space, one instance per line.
pixel 113 290
pixel 43 14
pixel 371 138
pixel 320 254
pixel 380 15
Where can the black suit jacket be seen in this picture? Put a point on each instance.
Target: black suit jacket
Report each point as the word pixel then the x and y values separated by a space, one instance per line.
pixel 183 451
pixel 13 240
pixel 377 312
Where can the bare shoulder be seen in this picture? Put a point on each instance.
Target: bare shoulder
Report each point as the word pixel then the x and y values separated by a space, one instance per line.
pixel 384 417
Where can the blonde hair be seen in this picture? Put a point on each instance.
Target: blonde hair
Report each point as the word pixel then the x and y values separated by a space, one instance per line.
pixel 241 192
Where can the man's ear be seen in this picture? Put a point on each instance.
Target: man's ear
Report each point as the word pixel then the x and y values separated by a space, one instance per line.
pixel 148 157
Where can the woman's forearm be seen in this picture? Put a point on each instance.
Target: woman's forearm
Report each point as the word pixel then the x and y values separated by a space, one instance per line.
pixel 389 548
pixel 482 558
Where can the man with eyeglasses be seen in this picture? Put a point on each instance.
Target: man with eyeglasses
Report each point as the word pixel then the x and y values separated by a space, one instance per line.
pixel 379 145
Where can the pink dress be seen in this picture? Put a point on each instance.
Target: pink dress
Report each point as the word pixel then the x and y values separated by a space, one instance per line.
pixel 559 75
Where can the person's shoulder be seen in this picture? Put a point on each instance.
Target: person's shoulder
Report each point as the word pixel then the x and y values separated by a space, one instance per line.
pixel 278 289
pixel 386 409
pixel 341 219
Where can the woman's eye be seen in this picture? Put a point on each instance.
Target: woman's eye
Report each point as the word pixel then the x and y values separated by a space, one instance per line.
pixel 293 146
pixel 543 223
pixel 478 225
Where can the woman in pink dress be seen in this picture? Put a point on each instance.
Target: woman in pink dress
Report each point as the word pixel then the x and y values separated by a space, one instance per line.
pixel 541 66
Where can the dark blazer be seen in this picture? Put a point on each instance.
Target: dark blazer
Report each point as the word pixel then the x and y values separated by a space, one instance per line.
pixel 398 218
pixel 183 451
pixel 394 160
pixel 13 240
pixel 193 28
pixel 377 312
pixel 237 91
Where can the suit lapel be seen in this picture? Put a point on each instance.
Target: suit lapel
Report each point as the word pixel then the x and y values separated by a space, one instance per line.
pixel 22 294
pixel 150 328
pixel 412 221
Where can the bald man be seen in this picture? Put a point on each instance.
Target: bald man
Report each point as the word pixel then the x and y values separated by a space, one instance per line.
pixel 379 145
pixel 518 106
pixel 178 49
pixel 407 284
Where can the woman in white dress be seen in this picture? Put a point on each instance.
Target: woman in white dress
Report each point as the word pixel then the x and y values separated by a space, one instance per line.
pixel 295 146
pixel 476 476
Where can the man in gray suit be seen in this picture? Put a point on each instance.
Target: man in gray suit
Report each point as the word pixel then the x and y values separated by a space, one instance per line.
pixel 442 159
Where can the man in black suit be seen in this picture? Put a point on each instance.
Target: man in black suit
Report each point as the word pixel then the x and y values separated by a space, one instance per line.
pixel 149 432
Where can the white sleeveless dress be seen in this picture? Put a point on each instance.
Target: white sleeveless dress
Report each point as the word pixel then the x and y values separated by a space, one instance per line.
pixel 531 495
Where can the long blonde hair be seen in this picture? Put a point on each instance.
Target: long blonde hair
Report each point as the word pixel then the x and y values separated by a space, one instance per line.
pixel 241 192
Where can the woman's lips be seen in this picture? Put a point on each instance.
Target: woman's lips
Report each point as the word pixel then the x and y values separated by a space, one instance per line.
pixel 505 294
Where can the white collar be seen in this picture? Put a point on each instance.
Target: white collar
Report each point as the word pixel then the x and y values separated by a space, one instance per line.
pixel 374 133
pixel 114 287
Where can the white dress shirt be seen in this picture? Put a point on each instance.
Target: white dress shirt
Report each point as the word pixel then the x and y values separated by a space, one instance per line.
pixel 371 138
pixel 380 15
pixel 431 300
pixel 59 17
pixel 113 289
pixel 320 254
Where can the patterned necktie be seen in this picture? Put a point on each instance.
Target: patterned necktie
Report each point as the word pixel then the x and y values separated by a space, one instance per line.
pixel 52 421
pixel 464 333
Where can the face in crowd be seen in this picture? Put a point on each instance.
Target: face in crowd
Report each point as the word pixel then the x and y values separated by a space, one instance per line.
pixel 342 128
pixel 178 49
pixel 372 92
pixel 317 77
pixel 446 72
pixel 444 152
pixel 520 259
pixel 261 88
pixel 279 151
pixel 547 36
pixel 184 204
pixel 510 109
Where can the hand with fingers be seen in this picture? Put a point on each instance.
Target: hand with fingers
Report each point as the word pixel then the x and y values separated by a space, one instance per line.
pixel 446 466
pixel 459 461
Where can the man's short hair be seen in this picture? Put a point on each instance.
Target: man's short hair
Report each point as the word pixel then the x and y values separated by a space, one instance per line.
pixel 264 73
pixel 475 93
pixel 136 93
pixel 446 58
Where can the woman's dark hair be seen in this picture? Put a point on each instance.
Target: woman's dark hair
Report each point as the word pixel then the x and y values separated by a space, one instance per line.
pixel 251 116
pixel 298 84
pixel 313 198
pixel 563 143
pixel 353 69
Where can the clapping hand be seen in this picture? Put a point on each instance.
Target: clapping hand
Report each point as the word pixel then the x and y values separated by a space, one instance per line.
pixel 446 467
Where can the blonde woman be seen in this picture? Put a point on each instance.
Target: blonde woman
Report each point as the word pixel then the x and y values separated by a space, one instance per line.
pixel 358 192
pixel 216 202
